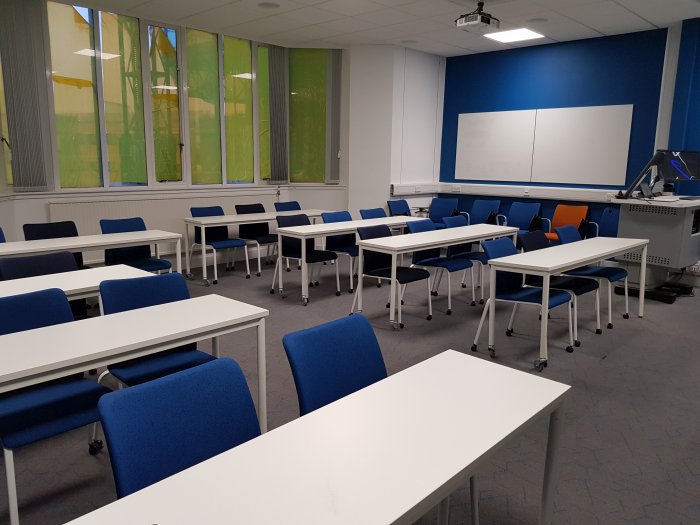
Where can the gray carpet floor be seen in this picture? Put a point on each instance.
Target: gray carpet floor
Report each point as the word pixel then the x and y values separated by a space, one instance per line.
pixel 630 450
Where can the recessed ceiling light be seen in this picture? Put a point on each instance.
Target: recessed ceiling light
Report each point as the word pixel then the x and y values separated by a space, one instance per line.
pixel 247 76
pixel 538 20
pixel 514 35
pixel 268 5
pixel 409 41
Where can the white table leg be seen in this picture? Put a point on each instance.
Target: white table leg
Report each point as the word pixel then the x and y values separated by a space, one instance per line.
pixel 392 294
pixel 203 230
pixel 215 347
pixel 492 307
pixel 262 377
pixel 279 263
pixel 549 480
pixel 545 315
pixel 642 280
pixel 304 274
pixel 188 265
pixel 360 280
pixel 444 511
pixel 178 255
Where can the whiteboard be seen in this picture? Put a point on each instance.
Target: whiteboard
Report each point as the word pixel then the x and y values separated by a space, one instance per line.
pixel 495 146
pixel 584 145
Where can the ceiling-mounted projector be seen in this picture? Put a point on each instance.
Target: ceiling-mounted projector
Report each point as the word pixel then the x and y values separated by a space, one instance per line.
pixel 477 20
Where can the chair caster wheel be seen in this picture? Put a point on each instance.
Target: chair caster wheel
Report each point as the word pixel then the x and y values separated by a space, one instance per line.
pixel 226 269
pixel 401 302
pixel 625 316
pixel 272 292
pixel 305 301
pixel 464 285
pixel 215 281
pixel 315 283
pixel 598 331
pixel 299 267
pixel 481 301
pixel 337 294
pixel 258 274
pixel 388 304
pixel 206 283
pixel 289 269
pixel 492 352
pixel 509 332
pixel 400 325
pixel 434 294
pixel 569 349
pixel 189 276
pixel 473 303
pixel 610 325
pixel 473 349
pixel 429 317
pixel 448 312
pixel 95 446
pixel 351 290
pixel 311 284
pixel 540 365
pixel 379 285
pixel 577 343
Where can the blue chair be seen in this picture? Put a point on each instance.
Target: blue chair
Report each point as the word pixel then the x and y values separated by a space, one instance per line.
pixel 510 289
pixel 333 360
pixel 466 251
pixel 537 240
pixel 607 224
pixel 163 427
pixel 2 236
pixel 373 213
pixel 257 233
pixel 431 259
pixel 44 264
pixel 53 230
pixel 218 238
pixel 441 207
pixel 136 256
pixel 399 207
pixel 378 265
pixel 603 274
pixel 521 214
pixel 38 412
pixel 291 248
pixel 481 209
pixel 120 295
pixel 287 206
pixel 342 244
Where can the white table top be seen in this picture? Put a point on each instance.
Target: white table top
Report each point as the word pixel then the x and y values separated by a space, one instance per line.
pixel 444 237
pixel 566 256
pixel 56 351
pixel 78 283
pixel 331 228
pixel 382 455
pixel 86 242
pixel 249 218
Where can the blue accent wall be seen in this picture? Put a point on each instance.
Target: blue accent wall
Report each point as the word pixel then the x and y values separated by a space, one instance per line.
pixel 622 69
pixel 685 120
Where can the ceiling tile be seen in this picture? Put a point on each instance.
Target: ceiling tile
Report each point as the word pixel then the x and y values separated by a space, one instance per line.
pixel 221 17
pixel 269 25
pixel 313 15
pixel 429 9
pixel 310 32
pixel 168 10
pixel 606 17
pixel 565 31
pixel 387 16
pixel 351 7
pixel 422 26
pixel 663 12
pixel 349 25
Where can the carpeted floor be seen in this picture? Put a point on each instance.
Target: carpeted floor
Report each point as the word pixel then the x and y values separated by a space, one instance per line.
pixel 630 451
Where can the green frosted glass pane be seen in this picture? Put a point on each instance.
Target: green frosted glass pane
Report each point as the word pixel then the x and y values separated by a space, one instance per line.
pixel 6 154
pixel 238 83
pixel 307 114
pixel 264 111
pixel 75 96
pixel 203 104
pixel 123 95
pixel 162 46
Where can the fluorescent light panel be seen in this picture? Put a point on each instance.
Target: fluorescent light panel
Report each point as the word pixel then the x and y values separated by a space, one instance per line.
pixel 514 35
pixel 92 53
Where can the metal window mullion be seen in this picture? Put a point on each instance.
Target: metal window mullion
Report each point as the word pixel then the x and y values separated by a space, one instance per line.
pixel 286 108
pixel 101 109
pixel 147 103
pixel 184 106
pixel 50 99
pixel 222 109
pixel 256 112
pixel 329 115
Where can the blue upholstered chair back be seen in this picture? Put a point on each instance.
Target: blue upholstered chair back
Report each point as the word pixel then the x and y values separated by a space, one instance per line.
pixel 120 295
pixel 333 360
pixel 481 209
pixel 535 240
pixel 455 222
pixel 374 260
pixel 292 247
pixel 287 206
pixel 33 310
pixel 159 428
pixel 338 241
pixel 124 255
pixel 251 231
pixel 521 214
pixel 441 207
pixel 373 213
pixel 568 234
pixel 33 265
pixel 607 224
pixel 217 233
pixel 398 207
pixel 423 226
pixel 502 247
pixel 2 236
pixel 53 230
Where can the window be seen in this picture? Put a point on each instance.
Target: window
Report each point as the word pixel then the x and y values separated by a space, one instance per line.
pixel 71 38
pixel 308 72
pixel 238 85
pixel 203 106
pixel 5 153
pixel 263 77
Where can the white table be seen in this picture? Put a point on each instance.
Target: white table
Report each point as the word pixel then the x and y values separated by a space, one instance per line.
pixel 39 355
pixel 230 220
pixel 313 231
pixel 79 284
pixel 399 244
pixel 556 260
pixel 84 243
pixel 385 454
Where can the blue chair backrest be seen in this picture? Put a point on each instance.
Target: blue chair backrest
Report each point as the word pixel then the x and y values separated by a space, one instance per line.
pixel 2 236
pixel 687 187
pixel 398 207
pixel 521 214
pixel 31 266
pixel 441 207
pixel 373 213
pixel 120 295
pixel 423 226
pixel 251 231
pixel 333 360
pixel 455 222
pixel 338 241
pixel 124 255
pixel 162 427
pixel 481 209
pixel 33 310
pixel 502 247
pixel 53 230
pixel 534 240
pixel 292 247
pixel 287 206
pixel 374 260
pixel 568 234
pixel 217 233
pixel 607 224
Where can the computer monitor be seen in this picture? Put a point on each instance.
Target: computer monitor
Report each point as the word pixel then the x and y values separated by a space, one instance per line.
pixel 679 166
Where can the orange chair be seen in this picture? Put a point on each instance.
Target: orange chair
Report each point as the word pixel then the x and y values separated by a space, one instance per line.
pixel 565 214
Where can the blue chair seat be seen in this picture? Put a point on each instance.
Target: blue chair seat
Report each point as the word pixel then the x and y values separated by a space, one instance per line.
pixel 149 265
pixel 439 226
pixel 404 275
pixel 451 264
pixel 226 244
pixel 534 295
pixel 610 273
pixel 473 256
pixel 39 412
pixel 575 285
pixel 317 256
pixel 263 239
pixel 352 251
pixel 143 369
